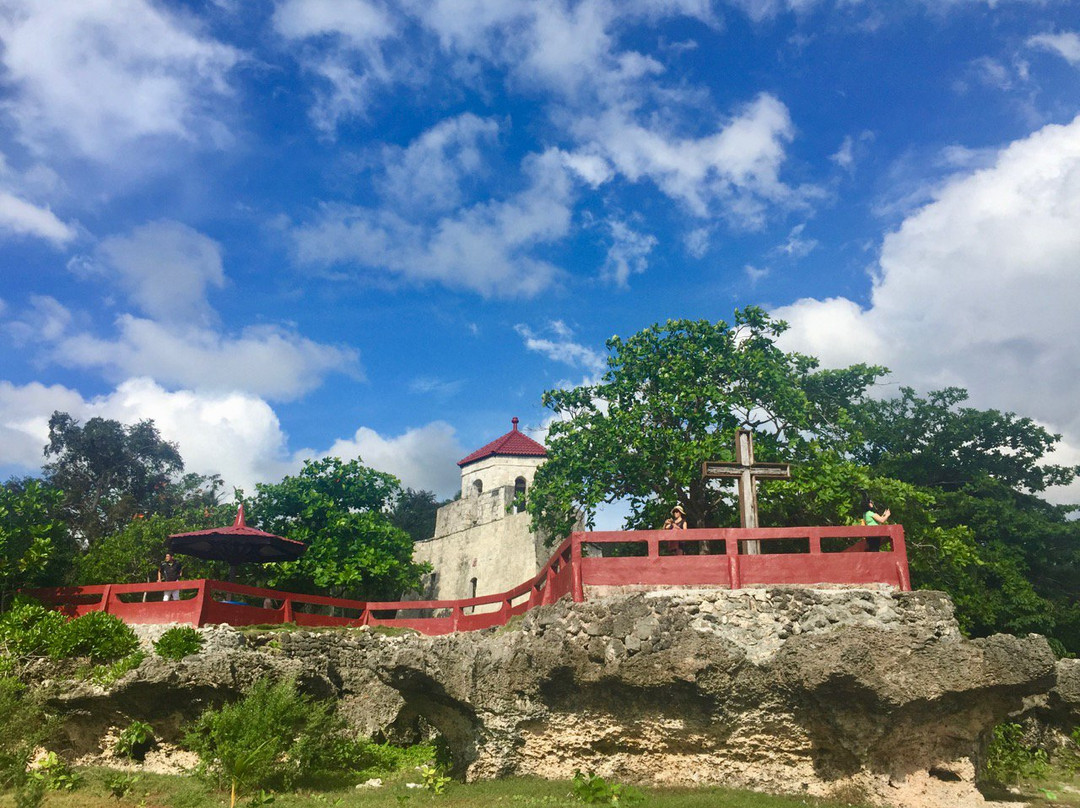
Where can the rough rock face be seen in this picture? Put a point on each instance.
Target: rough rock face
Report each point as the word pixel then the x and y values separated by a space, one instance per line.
pixel 871 693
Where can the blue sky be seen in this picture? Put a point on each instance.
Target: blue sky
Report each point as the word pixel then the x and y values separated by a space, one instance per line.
pixel 284 230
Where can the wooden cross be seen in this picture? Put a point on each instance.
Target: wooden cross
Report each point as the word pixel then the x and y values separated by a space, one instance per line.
pixel 747 472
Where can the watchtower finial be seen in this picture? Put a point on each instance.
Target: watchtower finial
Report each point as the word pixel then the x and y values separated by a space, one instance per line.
pixel 514 421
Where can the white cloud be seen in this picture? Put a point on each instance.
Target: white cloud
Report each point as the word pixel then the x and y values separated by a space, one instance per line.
pixel 755 274
pixel 422 458
pixel 561 347
pixel 1066 45
pixel 430 171
pixel 165 267
pixel 267 361
pixel 485 248
pixel 235 435
pixel 46 319
pixel 100 73
pixel 796 246
pixel 628 254
pixel 22 218
pixel 733 172
pixel 358 21
pixel 351 64
pixel 976 288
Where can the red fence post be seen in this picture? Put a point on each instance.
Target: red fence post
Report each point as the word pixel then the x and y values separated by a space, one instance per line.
pixel 287 615
pixel 200 603
pixel 105 595
pixel 577 585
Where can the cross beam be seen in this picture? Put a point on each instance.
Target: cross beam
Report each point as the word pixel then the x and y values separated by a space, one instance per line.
pixel 747 472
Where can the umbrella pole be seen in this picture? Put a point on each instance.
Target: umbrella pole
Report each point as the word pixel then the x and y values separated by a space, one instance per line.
pixel 232 574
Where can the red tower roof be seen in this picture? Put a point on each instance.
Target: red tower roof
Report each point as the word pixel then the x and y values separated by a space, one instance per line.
pixel 513 444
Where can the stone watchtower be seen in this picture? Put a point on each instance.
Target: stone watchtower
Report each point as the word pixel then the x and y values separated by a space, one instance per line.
pixel 482 542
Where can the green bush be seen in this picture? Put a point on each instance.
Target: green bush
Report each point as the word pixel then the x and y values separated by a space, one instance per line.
pixel 179 642
pixel 28 629
pixel 1009 759
pixel 272 738
pixel 109 672
pixel 100 636
pixel 595 790
pixel 31 630
pixel 135 741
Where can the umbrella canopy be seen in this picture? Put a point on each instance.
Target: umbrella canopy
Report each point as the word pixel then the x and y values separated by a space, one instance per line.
pixel 238 544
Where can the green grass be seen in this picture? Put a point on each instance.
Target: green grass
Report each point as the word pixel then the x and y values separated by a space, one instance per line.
pixel 172 791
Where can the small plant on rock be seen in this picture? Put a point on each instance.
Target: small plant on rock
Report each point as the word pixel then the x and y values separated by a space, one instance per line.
pixel 179 642
pixel 135 741
pixel 120 783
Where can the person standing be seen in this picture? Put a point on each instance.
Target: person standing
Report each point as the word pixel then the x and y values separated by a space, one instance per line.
pixel 872 518
pixel 170 570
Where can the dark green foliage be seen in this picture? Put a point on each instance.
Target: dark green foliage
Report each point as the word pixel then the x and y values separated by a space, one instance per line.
pixel 135 741
pixel 339 510
pixel 273 738
pixel 24 727
pixel 414 512
pixel 1009 759
pixel 109 472
pixel 179 642
pixel 35 545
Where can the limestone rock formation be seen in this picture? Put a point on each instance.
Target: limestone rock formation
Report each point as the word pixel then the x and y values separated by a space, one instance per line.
pixel 818 691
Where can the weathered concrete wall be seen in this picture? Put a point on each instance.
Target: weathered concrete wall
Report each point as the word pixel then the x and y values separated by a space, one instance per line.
pixel 480 537
pixel 824 692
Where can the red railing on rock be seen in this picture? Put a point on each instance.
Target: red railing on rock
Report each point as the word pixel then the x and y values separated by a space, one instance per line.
pixel 585 561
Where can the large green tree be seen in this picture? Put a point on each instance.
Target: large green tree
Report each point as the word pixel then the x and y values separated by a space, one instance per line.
pixel 672 397
pixel 341 511
pixel 982 472
pixel 965 483
pixel 109 472
pixel 35 546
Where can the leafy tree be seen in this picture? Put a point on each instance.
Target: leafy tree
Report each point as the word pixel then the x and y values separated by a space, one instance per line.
pixel 341 511
pixel 982 470
pixel 414 512
pixel 132 553
pixel 108 472
pixel 965 483
pixel 672 397
pixel 35 546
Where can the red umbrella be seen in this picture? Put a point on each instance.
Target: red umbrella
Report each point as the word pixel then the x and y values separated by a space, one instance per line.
pixel 238 544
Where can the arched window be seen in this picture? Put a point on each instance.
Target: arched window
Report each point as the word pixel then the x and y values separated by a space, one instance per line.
pixel 519 495
pixel 477 488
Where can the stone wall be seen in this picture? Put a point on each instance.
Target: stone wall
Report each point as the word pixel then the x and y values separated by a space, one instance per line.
pixel 821 692
pixel 481 537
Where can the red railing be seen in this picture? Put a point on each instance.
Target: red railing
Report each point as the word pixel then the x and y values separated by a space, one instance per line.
pixel 705 557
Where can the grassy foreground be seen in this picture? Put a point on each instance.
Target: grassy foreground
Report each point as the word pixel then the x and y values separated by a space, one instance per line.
pixel 176 791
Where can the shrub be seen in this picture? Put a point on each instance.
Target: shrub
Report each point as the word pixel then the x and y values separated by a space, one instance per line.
pixel 135 741
pixel 274 737
pixel 595 790
pixel 100 636
pixel 28 629
pixel 179 642
pixel 23 728
pixel 1009 759
pixel 108 673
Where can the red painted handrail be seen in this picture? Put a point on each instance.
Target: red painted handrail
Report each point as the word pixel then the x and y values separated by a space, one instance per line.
pixel 573 569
